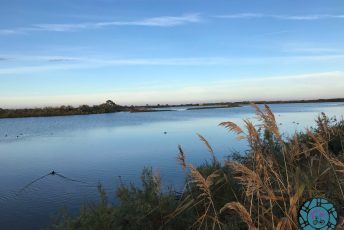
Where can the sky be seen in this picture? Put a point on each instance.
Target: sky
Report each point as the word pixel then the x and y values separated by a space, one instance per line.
pixel 72 52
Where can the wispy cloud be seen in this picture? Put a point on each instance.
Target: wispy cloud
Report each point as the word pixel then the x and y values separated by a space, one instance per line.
pixel 54 63
pixel 10 31
pixel 241 16
pixel 282 17
pixel 61 59
pixel 164 21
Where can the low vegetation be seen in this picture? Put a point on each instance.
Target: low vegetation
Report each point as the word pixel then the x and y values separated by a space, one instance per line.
pixel 259 189
pixel 111 107
pixel 107 107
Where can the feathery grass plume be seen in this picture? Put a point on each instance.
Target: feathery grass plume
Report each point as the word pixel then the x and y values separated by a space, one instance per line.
pixel 210 149
pixel 247 177
pixel 232 127
pixel 243 213
pixel 268 120
pixel 203 183
pixel 253 137
pixel 181 157
pixel 278 179
pixel 206 198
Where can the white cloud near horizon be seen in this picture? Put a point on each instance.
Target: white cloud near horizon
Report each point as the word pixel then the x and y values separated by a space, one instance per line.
pixel 281 16
pixel 163 21
pixel 309 86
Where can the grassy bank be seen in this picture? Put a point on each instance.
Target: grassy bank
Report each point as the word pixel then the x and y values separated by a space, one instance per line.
pixel 107 107
pixel 259 189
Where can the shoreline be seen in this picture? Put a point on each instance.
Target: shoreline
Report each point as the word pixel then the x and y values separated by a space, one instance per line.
pixel 111 107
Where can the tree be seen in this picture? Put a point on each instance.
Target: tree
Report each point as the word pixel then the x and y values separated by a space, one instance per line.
pixel 85 109
pixel 110 103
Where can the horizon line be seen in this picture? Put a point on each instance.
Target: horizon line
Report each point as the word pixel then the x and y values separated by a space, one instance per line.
pixel 258 101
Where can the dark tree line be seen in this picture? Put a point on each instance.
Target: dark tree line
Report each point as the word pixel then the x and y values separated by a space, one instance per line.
pixel 107 107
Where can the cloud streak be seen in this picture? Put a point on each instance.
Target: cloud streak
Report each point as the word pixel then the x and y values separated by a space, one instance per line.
pixel 164 21
pixel 281 16
pixel 55 63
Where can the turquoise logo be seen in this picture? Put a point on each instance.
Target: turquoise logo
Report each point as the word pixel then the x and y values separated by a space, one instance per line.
pixel 317 214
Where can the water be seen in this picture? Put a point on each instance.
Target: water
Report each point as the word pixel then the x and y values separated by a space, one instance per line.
pixel 98 148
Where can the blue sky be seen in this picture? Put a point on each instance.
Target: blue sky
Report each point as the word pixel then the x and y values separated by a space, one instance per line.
pixel 55 52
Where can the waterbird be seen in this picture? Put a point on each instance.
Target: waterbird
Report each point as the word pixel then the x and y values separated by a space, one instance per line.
pixel 52 173
pixel 165 132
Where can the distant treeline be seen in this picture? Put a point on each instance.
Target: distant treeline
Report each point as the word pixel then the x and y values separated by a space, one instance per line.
pixel 111 107
pixel 217 104
pixel 235 104
pixel 295 101
pixel 107 107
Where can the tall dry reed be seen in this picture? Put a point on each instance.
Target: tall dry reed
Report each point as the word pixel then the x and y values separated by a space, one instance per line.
pixel 274 179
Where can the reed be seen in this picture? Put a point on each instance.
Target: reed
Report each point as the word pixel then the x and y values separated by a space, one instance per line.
pixel 276 177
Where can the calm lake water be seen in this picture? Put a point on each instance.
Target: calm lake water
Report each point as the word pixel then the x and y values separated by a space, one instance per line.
pixel 87 150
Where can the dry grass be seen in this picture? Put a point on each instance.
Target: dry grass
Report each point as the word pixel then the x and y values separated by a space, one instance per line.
pixel 181 158
pixel 241 210
pixel 275 179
